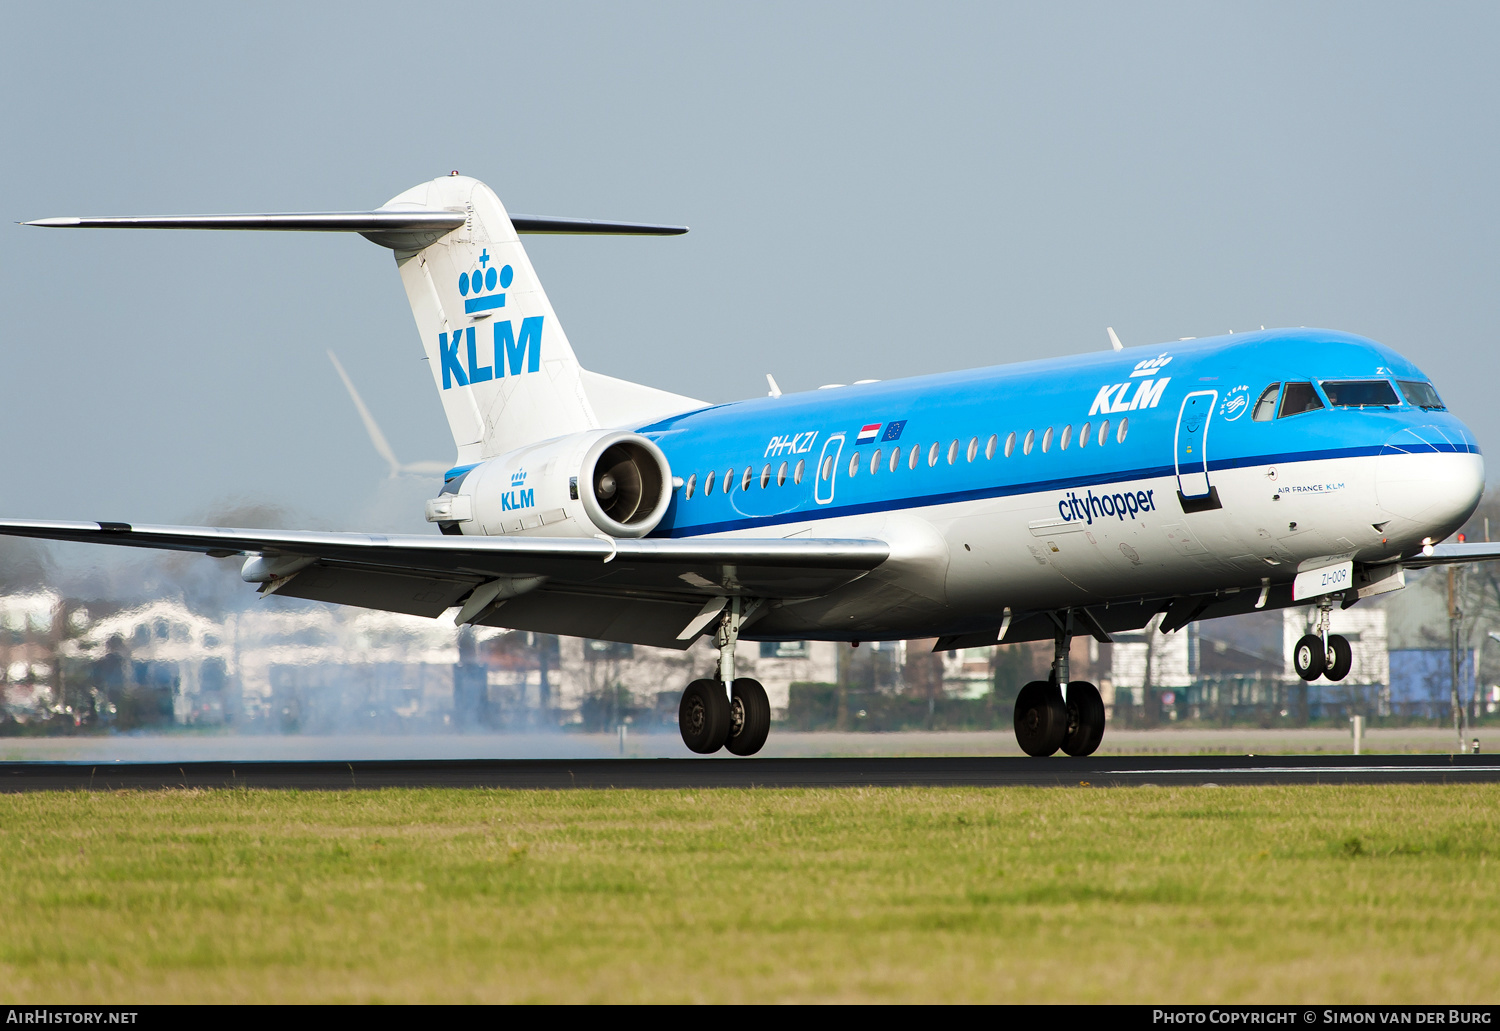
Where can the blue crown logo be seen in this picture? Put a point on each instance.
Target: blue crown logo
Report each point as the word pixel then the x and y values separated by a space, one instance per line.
pixel 481 282
pixel 518 477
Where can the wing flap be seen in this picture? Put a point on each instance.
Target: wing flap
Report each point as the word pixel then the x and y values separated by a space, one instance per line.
pixel 389 592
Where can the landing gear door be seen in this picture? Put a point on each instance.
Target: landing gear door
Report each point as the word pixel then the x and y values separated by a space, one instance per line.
pixel 1192 441
pixel 828 469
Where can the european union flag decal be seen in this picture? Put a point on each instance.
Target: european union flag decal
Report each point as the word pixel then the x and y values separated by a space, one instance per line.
pixel 893 431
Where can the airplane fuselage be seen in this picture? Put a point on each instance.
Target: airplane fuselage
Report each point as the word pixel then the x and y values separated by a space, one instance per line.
pixel 1098 478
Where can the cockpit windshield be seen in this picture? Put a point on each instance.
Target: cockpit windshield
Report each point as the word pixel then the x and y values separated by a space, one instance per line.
pixel 1360 393
pixel 1297 398
pixel 1422 395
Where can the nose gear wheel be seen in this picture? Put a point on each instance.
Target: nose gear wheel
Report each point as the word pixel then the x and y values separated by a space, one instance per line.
pixel 1309 657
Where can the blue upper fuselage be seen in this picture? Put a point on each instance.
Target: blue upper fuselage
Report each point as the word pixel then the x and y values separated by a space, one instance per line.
pixel 955 420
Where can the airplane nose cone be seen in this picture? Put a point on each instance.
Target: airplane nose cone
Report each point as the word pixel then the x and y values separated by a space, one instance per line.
pixel 1428 480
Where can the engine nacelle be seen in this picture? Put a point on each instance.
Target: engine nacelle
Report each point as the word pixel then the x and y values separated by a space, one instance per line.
pixel 602 481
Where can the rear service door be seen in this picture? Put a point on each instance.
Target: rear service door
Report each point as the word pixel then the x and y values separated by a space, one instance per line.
pixel 828 469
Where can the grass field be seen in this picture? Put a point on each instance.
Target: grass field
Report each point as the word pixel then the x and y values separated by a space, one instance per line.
pixel 1296 894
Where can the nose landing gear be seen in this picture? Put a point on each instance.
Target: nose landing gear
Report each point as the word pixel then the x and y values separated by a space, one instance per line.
pixel 1321 654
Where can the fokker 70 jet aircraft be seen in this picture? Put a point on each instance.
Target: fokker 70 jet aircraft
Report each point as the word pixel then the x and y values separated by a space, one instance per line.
pixel 1036 501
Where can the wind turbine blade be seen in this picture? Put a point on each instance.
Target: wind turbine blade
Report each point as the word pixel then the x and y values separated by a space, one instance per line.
pixel 371 427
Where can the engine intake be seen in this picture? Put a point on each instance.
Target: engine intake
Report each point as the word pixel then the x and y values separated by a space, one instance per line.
pixel 629 481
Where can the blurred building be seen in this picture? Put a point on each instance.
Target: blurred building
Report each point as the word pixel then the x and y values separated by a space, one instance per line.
pixel 283 666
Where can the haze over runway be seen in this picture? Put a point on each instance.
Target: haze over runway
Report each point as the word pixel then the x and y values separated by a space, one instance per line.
pixel 874 191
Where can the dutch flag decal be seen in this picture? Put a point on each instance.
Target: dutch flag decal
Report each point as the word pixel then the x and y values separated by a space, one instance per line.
pixel 868 434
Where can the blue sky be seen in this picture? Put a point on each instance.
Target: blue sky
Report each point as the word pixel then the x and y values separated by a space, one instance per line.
pixel 875 190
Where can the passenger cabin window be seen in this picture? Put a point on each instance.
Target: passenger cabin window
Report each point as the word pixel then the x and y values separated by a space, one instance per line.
pixel 989 446
pixel 895 458
pixel 1298 398
pixel 1067 436
pixel 1046 440
pixel 1422 395
pixel 708 484
pixel 1360 393
pixel 801 468
pixel 691 485
pixel 1104 433
pixel 911 460
pixel 1265 408
pixel 1083 435
pixel 1010 444
pixel 1124 429
pixel 781 475
pixel 875 462
pixel 854 464
pixel 1030 442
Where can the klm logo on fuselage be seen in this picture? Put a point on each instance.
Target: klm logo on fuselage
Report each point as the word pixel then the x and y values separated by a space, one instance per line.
pixel 1117 397
pixel 483 290
pixel 519 496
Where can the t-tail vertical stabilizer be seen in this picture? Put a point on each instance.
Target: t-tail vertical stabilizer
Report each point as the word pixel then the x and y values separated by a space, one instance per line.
pixel 502 364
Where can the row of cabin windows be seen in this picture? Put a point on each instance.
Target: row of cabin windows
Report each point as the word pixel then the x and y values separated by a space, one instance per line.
pixel 1297 398
pixel 913 456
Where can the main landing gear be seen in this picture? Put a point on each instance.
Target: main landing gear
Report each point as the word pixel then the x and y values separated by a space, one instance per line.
pixel 1047 719
pixel 1321 654
pixel 728 712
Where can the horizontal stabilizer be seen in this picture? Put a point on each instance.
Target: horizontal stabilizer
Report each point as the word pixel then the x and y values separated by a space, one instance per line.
pixel 397 229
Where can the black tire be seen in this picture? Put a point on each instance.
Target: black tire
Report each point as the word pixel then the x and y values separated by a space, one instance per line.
pixel 703 716
pixel 1041 720
pixel 1340 657
pixel 749 717
pixel 1308 657
pixel 1085 711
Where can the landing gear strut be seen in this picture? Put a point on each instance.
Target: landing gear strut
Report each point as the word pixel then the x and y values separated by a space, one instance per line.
pixel 726 712
pixel 1046 719
pixel 1321 654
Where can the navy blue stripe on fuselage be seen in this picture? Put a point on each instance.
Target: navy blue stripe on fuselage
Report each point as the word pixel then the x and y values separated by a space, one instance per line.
pixel 831 511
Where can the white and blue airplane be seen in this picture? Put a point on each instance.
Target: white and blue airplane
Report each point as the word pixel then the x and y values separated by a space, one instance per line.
pixel 1035 501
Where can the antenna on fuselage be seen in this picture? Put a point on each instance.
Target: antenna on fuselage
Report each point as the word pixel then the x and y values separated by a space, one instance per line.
pixel 775 390
pixel 1114 341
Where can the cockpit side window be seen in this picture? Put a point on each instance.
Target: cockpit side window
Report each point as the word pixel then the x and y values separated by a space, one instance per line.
pixel 1360 393
pixel 1297 398
pixel 1421 395
pixel 1265 408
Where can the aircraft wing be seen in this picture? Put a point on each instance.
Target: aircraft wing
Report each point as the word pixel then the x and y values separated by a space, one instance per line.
pixel 650 591
pixel 1453 554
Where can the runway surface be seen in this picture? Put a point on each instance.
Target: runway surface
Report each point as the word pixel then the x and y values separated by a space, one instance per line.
pixel 945 771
